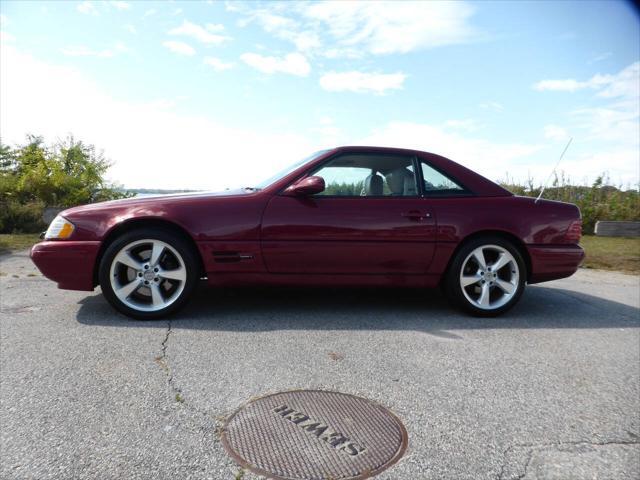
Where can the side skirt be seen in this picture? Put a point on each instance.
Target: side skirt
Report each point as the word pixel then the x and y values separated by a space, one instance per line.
pixel 324 280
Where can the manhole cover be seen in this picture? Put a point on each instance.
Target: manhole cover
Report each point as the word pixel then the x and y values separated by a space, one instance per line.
pixel 314 435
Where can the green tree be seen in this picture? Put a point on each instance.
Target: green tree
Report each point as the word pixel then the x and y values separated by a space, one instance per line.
pixel 34 175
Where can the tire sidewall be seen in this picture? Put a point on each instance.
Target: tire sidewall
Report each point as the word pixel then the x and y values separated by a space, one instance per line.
pixel 177 242
pixel 454 289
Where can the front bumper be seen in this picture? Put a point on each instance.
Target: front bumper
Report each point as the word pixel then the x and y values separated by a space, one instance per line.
pixel 68 263
pixel 551 262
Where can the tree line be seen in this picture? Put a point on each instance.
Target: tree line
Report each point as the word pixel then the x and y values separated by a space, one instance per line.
pixel 69 172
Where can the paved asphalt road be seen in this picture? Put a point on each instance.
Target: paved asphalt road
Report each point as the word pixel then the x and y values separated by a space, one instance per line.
pixel 550 391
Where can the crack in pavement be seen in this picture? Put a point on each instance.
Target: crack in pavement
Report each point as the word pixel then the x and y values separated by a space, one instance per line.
pixel 539 446
pixel 163 362
pixel 207 425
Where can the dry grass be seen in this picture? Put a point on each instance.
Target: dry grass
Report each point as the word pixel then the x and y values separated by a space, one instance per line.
pixel 612 253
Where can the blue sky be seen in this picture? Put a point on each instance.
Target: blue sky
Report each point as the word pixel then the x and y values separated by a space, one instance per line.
pixel 213 94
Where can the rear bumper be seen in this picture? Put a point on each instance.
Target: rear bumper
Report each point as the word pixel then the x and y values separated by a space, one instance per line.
pixel 550 262
pixel 69 264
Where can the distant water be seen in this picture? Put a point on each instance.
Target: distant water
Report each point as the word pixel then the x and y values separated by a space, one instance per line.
pixel 142 195
pixel 159 193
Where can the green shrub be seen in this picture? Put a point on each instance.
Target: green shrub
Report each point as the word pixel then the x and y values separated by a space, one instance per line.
pixel 34 176
pixel 17 217
pixel 600 201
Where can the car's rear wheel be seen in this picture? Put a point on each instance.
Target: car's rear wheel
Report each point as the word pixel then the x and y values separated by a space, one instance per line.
pixel 148 274
pixel 487 276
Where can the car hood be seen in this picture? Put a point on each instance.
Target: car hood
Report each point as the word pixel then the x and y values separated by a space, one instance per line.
pixel 154 199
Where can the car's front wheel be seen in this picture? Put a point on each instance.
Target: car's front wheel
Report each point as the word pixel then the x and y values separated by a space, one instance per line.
pixel 148 274
pixel 487 276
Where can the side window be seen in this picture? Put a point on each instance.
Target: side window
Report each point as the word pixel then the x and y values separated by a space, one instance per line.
pixel 437 183
pixel 344 181
pixel 366 175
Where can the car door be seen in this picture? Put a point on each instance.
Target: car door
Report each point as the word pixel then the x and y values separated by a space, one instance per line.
pixel 370 219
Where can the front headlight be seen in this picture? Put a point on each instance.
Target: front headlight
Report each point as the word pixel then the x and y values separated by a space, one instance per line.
pixel 60 228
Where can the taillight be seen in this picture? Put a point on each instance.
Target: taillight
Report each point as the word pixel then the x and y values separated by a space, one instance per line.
pixel 574 232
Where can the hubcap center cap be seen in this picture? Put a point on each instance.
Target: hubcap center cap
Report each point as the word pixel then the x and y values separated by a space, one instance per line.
pixel 148 275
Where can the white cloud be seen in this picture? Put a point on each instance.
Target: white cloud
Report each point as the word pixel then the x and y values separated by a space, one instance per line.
pixel 160 104
pixel 621 164
pixel 468 124
pixel 286 28
pixel 554 132
pixel 149 12
pixel 493 106
pixel 3 20
pixel 215 27
pixel 87 7
pixel 293 63
pixel 619 122
pixel 569 84
pixel 600 57
pixel 488 158
pixel 194 152
pixel 393 27
pixel 351 28
pixel 84 51
pixel 6 37
pixel 360 82
pixel 120 5
pixel 494 160
pixel 130 28
pixel 202 145
pixel 217 64
pixel 611 128
pixel 619 119
pixel 197 32
pixel 327 130
pixel 180 48
pixel 624 82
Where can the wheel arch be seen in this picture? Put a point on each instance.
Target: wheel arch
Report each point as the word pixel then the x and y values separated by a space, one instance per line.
pixel 136 223
pixel 517 243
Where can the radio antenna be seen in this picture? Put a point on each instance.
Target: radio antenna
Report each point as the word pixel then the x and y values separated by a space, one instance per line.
pixel 554 169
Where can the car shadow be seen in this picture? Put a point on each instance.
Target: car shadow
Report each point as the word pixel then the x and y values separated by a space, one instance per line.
pixel 268 309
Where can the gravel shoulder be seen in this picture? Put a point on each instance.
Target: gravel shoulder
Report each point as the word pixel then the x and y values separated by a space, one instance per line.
pixel 551 390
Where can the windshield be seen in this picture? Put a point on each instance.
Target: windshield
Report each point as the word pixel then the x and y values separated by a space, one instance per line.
pixel 283 173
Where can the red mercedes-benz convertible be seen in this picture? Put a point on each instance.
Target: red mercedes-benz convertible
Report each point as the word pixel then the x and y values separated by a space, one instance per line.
pixel 346 216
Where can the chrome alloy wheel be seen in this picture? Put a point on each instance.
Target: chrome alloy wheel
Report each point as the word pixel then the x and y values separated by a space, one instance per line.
pixel 489 277
pixel 148 275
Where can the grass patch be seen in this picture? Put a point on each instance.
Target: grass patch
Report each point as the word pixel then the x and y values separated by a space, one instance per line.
pixel 612 253
pixel 10 242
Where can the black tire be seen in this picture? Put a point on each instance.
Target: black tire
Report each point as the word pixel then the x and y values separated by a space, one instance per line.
pixel 175 241
pixel 454 289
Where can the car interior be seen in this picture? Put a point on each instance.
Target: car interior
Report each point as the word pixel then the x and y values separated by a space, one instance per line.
pixel 369 175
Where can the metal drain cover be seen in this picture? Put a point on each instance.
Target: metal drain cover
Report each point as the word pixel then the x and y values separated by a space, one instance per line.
pixel 314 435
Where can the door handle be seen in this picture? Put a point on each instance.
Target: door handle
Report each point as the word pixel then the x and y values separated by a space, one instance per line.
pixel 416 215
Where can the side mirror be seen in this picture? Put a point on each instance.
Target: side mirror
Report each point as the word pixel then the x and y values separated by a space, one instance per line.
pixel 306 186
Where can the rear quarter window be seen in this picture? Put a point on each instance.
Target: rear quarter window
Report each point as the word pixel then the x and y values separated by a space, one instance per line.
pixel 438 184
